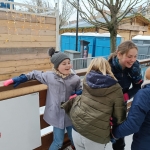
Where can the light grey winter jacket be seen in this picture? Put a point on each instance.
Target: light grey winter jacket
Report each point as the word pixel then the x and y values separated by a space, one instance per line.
pixel 59 90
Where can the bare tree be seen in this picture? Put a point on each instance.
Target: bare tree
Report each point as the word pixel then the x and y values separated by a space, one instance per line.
pixel 112 12
pixel 65 11
pixel 39 3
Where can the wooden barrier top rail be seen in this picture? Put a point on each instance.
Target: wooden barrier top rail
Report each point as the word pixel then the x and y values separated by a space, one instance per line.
pixel 35 86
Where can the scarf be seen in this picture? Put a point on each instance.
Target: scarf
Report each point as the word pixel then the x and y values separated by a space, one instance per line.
pixel 60 74
pixel 115 62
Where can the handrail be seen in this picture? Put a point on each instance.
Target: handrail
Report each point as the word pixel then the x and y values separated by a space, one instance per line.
pixel 35 86
pixel 12 4
pixel 82 72
pixel 143 61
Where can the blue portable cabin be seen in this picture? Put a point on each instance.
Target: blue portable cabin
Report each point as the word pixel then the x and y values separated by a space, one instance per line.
pixel 102 47
pixel 90 37
pixel 6 5
pixel 68 41
pixel 143 44
pixel 99 43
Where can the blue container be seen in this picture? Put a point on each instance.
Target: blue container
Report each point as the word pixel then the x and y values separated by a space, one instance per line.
pixel 65 43
pixel 73 42
pixel 6 5
pixel 102 44
pixel 99 43
pixel 71 39
pixel 68 41
pixel 91 45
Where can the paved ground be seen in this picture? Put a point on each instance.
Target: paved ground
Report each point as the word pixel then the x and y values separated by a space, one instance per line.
pixel 128 141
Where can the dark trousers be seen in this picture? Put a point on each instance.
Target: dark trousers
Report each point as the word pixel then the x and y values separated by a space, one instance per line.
pixel 119 145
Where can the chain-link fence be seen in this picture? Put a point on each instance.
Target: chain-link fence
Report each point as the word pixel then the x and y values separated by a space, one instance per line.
pixel 80 63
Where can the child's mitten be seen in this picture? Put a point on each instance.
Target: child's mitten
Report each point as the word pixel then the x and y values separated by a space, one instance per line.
pixel 126 97
pixel 74 94
pixel 16 80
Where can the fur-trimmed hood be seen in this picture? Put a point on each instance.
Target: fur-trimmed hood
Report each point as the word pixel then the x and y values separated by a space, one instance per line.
pixel 145 83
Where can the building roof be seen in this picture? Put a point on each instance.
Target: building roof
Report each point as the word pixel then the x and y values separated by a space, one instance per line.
pixel 89 34
pixel 141 37
pixel 84 24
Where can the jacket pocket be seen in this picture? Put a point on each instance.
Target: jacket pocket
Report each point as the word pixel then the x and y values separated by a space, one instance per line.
pixel 50 107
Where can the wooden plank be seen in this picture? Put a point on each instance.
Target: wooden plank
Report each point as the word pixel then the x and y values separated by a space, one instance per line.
pixel 26 44
pixel 11 75
pixel 26 38
pixel 42 98
pixel 133 27
pixel 25 31
pixel 24 68
pixel 22 91
pixel 43 124
pixel 26 62
pixel 23 56
pixel 81 72
pixel 22 85
pixel 37 32
pixel 22 51
pixel 30 25
pixel 4 15
pixel 144 61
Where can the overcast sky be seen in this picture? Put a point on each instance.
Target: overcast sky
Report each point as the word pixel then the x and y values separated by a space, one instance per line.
pixel 73 17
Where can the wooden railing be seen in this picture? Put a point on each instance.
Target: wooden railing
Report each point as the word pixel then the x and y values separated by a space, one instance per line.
pixel 133 27
pixel 28 9
pixel 35 86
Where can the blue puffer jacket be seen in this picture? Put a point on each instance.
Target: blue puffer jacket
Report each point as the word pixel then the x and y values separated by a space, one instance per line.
pixel 127 76
pixel 138 120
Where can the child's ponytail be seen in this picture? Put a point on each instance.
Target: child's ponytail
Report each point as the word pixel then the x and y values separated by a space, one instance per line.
pixel 112 55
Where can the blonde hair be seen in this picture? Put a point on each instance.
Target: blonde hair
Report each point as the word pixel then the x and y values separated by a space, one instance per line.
pixel 123 48
pixel 147 74
pixel 102 65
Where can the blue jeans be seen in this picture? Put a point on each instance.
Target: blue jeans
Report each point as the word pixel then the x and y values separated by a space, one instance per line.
pixel 58 137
